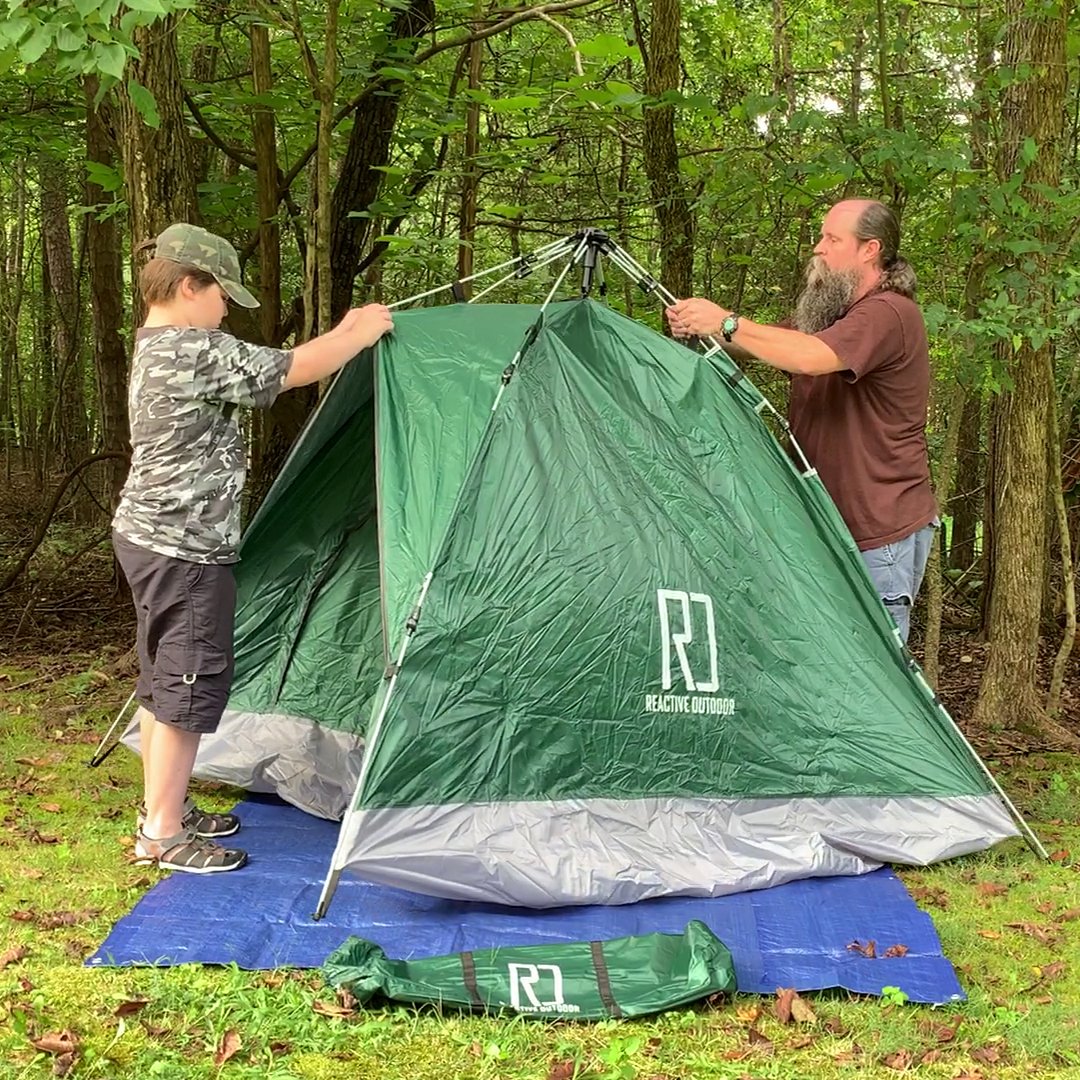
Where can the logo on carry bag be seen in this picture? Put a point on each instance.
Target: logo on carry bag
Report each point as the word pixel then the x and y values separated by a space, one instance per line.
pixel 689 656
pixel 531 984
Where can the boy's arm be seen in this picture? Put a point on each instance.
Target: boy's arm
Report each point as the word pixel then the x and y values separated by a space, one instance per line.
pixel 322 356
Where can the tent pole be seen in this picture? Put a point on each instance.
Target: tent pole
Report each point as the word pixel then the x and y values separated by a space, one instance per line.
pixel 330 884
pixel 547 260
pixel 1025 829
pixel 629 265
pixel 519 262
pixel 334 874
pixel 100 754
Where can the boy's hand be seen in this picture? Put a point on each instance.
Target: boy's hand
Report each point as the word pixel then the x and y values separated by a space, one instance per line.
pixel 367 324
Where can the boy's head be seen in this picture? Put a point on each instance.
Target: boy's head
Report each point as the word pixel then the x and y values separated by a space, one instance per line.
pixel 196 272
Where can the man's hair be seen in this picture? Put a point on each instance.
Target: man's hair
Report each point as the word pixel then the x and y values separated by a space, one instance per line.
pixel 160 278
pixel 878 222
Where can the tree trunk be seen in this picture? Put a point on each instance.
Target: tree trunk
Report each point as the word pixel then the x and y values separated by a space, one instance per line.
pixel 68 419
pixel 966 504
pixel 942 491
pixel 106 299
pixel 673 215
pixel 266 173
pixel 1032 108
pixel 359 179
pixel 470 178
pixel 159 163
pixel 12 286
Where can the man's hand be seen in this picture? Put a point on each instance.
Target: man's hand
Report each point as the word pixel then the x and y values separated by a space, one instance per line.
pixel 696 318
pixel 366 324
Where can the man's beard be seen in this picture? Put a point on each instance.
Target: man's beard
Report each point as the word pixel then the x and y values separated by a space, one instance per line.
pixel 825 297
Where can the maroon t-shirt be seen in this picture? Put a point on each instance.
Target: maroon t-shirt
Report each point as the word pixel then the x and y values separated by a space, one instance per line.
pixel 864 428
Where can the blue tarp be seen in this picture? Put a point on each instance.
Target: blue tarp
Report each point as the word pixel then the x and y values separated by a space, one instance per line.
pixel 795 935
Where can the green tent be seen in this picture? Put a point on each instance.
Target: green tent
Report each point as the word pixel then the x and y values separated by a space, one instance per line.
pixel 542 606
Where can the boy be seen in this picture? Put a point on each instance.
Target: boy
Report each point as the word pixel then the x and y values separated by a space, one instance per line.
pixel 177 526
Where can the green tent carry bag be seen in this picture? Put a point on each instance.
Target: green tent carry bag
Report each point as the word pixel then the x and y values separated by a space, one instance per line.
pixel 587 980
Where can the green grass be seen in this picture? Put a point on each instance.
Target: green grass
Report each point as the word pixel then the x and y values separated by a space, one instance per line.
pixel 64 880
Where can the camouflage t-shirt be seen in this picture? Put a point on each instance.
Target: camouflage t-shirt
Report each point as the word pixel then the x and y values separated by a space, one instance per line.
pixel 182 495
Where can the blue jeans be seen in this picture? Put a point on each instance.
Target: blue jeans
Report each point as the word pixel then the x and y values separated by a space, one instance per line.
pixel 897 571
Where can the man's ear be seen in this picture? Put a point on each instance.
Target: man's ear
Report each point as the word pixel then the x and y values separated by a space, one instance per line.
pixel 871 250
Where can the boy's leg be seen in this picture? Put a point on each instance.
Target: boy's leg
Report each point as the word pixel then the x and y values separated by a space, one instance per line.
pixel 185 649
pixel 168 759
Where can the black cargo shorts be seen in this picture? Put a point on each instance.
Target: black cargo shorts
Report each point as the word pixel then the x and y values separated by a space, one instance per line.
pixel 185 614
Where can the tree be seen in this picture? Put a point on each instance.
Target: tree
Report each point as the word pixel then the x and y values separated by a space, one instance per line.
pixel 1029 165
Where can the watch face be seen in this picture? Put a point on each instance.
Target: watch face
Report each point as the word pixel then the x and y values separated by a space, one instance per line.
pixel 730 323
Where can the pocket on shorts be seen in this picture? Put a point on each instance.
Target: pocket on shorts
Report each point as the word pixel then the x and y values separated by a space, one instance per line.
pixel 191 686
pixel 211 597
pixel 187 663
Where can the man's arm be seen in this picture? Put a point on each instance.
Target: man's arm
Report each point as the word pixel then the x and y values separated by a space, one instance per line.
pixel 788 350
pixel 322 356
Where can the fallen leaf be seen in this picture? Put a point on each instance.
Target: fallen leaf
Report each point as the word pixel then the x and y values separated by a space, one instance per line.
pixel 867 949
pixel 36 837
pixel 62 1065
pixel 927 894
pixel 1051 971
pixel 280 1048
pixel 346 999
pixel 1060 856
pixel 1046 999
pixel 992 888
pixel 966 1075
pixel 560 1070
pixel 1048 935
pixel 759 1041
pixel 945 1033
pixel 32 872
pixel 229 1045
pixel 54 919
pixel 57 1042
pixel 899 1061
pixel 51 807
pixel 13 955
pixel 22 916
pixel 835 1026
pixel 33 762
pixel 1069 916
pixel 802 1042
pixel 328 1008
pixel 782 1005
pixel 748 1014
pixel 274 979
pixel 130 1008
pixel 802 1012
pixel 738 1055
pixel 1045 907
pixel 987 1055
pixel 896 950
pixel 993 935
pixel 930 1056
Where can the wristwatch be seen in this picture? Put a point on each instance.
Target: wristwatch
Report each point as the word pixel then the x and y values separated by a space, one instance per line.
pixel 729 326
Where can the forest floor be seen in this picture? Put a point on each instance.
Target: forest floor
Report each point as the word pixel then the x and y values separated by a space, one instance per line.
pixel 1006 919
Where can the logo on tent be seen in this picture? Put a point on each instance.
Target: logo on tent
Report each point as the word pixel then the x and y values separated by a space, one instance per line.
pixel 524 995
pixel 689 653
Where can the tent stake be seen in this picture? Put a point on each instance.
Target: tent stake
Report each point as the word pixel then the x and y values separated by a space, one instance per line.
pixel 100 754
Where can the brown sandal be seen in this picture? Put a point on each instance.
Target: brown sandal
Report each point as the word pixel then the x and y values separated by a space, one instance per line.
pixel 186 852
pixel 202 823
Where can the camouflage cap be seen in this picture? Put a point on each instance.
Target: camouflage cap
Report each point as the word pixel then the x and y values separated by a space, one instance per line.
pixel 194 246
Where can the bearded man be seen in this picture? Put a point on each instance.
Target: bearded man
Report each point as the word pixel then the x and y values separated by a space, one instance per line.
pixel 858 356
